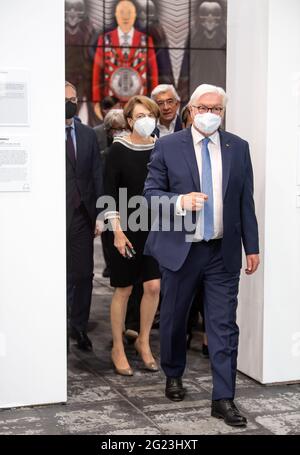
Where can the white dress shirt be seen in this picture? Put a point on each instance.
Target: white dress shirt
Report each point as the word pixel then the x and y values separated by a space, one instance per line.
pixel 163 130
pixel 122 37
pixel 214 147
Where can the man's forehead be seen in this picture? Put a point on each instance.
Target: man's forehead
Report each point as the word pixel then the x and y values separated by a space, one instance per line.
pixel 215 97
pixel 166 95
pixel 125 5
pixel 70 90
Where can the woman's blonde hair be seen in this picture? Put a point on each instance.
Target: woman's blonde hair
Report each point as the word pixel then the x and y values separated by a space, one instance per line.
pixel 140 99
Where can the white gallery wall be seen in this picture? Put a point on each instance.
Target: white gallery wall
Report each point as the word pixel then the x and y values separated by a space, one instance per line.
pixel 263 83
pixel 32 227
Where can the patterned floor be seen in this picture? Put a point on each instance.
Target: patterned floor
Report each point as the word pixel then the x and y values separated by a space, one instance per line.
pixel 101 402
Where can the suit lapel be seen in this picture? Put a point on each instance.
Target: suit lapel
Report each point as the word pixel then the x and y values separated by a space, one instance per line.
pixel 79 144
pixel 178 124
pixel 116 44
pixel 135 44
pixel 190 157
pixel 70 161
pixel 226 152
pixel 156 132
pixel 68 158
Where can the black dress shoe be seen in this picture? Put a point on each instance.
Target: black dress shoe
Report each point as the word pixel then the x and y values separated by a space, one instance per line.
pixel 227 410
pixel 83 341
pixel 174 389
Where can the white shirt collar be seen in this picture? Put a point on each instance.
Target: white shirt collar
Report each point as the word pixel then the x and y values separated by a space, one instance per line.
pixel 198 137
pixel 130 33
pixel 172 124
pixel 72 124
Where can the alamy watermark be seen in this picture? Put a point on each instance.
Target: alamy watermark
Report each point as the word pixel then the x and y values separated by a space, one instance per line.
pixel 157 212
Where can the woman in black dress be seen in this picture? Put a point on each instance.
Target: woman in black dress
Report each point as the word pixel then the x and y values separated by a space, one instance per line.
pixel 126 169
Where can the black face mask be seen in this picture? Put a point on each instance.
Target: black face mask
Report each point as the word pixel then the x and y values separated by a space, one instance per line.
pixel 71 109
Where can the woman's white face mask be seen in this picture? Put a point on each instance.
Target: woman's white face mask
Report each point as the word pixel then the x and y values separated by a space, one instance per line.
pixel 144 126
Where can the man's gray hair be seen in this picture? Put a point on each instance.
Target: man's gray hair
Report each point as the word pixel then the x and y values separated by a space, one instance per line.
pixel 207 88
pixel 114 115
pixel 163 88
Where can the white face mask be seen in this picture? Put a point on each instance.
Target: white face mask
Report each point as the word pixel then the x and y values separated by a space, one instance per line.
pixel 145 126
pixel 207 123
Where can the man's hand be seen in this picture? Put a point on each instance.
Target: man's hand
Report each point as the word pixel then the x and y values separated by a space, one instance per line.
pixel 98 228
pixel 193 201
pixel 252 263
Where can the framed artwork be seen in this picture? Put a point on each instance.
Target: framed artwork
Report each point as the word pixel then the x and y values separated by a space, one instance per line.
pixel 126 47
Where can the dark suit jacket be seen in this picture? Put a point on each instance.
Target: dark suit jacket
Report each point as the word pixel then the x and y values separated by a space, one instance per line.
pixel 173 171
pixel 87 175
pixel 101 137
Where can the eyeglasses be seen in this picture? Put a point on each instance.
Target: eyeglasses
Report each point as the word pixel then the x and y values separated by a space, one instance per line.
pixel 169 103
pixel 73 99
pixel 204 109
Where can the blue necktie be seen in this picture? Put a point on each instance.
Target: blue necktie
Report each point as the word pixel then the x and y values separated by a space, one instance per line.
pixel 207 188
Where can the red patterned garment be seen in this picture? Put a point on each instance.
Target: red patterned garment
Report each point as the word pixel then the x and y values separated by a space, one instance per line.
pixel 124 74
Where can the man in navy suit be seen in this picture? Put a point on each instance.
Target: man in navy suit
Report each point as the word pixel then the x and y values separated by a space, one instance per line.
pixel 203 178
pixel 83 188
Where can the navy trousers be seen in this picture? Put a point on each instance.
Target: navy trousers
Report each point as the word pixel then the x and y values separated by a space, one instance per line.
pixel 204 264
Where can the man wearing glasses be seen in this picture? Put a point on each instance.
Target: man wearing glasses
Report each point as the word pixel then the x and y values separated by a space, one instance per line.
pixel 206 176
pixel 168 102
